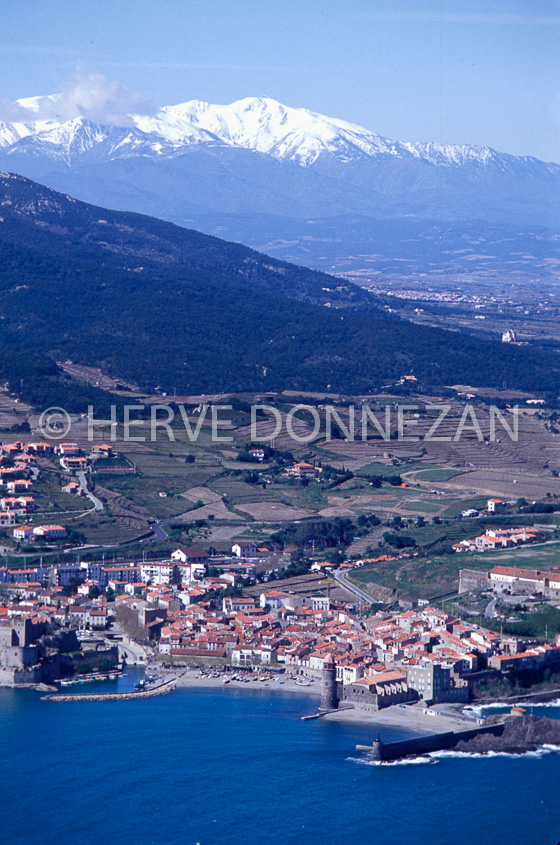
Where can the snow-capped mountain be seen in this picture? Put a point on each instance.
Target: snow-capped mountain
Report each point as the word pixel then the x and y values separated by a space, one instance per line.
pixel 254 123
pixel 287 134
pixel 289 181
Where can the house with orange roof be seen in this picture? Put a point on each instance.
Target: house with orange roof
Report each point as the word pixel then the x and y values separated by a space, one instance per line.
pixel 303 470
pixel 23 533
pixel 50 532
pixel 494 505
pixel 39 448
pixel 69 450
pixel 19 486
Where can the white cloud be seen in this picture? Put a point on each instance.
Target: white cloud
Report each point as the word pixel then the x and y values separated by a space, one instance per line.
pixel 89 95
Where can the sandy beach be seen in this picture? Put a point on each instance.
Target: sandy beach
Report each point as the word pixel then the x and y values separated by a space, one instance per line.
pixel 191 679
pixel 414 718
pixel 411 717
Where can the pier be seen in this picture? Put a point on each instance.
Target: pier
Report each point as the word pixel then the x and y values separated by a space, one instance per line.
pixel 162 689
pixel 426 744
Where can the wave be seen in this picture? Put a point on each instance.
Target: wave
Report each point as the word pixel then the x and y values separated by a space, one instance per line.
pixel 406 761
pixel 436 756
pixel 479 709
pixel 541 751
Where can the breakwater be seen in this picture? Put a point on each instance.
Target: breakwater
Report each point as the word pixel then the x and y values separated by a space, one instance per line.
pixel 380 750
pixel 514 734
pixel 162 689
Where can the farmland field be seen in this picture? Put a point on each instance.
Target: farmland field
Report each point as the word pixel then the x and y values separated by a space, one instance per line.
pixel 426 577
pixel 202 485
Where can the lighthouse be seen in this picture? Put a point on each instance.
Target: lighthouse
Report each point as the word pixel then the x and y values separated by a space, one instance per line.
pixel 329 697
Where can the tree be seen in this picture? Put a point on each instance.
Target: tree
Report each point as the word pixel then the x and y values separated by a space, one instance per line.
pixel 398 541
pixel 336 557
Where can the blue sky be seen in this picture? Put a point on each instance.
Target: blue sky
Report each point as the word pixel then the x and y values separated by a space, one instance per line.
pixel 473 71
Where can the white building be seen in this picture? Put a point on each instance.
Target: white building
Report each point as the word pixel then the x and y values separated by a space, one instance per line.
pixel 98 618
pixel 157 573
pixel 190 572
pixel 50 532
pixel 319 603
pixel 23 533
pixel 273 599
pixel 244 549
pixel 494 505
pixel 192 555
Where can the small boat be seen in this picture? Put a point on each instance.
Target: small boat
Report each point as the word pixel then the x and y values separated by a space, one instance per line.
pixel 226 680
pixel 301 683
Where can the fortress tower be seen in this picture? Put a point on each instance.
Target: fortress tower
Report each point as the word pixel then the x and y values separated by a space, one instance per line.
pixel 329 697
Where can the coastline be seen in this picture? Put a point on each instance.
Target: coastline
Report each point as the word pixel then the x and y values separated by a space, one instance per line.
pixel 190 680
pixel 412 717
pixel 409 717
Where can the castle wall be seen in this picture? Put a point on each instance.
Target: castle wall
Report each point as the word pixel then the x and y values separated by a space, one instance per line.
pixel 18 657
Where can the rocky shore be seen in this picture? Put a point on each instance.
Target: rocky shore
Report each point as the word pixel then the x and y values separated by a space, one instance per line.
pixel 521 733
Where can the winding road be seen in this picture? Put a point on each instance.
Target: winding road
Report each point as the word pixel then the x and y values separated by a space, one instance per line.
pixel 159 533
pixel 97 503
pixel 490 608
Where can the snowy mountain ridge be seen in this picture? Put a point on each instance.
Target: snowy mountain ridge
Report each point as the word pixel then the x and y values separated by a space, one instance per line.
pixel 297 185
pixel 263 125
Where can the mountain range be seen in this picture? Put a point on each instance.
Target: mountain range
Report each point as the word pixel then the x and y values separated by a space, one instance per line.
pixel 304 187
pixel 169 308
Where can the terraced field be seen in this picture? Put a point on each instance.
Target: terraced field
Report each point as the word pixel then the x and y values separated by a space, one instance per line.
pixel 466 466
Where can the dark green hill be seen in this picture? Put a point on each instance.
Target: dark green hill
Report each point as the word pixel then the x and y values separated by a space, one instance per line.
pixel 170 307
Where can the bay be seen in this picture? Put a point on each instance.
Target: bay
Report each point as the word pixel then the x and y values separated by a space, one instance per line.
pixel 231 767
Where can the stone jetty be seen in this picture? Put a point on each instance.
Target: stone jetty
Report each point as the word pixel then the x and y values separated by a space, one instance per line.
pixel 513 734
pixel 162 689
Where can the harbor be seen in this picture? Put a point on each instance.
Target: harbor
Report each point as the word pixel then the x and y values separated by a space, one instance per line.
pixel 144 692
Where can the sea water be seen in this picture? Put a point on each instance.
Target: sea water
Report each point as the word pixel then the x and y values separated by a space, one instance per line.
pixel 221 766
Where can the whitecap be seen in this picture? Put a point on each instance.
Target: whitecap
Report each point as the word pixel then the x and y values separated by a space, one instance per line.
pixel 540 751
pixel 405 761
pixel 503 705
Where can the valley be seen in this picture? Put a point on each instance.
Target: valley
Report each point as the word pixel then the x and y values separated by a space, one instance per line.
pixel 399 502
pixel 304 187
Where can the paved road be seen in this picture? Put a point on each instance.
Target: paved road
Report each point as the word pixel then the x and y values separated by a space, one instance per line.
pixel 97 504
pixel 134 653
pixel 490 608
pixel 341 578
pixel 159 533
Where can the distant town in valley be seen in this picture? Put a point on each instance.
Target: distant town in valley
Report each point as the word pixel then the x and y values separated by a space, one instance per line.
pixel 426 570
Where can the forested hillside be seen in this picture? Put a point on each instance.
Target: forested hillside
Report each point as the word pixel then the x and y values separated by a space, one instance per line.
pixel 171 308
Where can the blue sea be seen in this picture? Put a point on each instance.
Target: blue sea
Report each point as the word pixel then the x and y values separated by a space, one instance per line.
pixel 221 767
